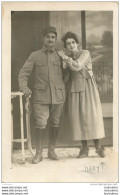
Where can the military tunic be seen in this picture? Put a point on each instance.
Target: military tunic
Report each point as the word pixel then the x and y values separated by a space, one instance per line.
pixel 49 88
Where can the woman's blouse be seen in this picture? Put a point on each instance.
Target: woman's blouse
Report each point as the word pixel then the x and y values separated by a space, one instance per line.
pixel 81 68
pixel 80 61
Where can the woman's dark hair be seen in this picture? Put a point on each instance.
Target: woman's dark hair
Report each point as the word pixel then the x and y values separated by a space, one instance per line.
pixel 70 35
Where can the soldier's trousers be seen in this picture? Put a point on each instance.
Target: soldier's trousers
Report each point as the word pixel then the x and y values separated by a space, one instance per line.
pixel 44 111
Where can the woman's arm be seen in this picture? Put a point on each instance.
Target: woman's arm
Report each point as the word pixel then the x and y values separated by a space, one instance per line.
pixel 76 65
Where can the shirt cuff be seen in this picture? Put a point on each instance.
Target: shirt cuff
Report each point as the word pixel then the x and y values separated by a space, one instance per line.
pixel 65 57
pixel 64 65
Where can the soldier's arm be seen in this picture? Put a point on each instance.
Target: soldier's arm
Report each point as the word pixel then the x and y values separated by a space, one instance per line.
pixel 24 74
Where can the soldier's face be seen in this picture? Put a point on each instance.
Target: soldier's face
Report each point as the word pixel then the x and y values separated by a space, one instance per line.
pixel 49 39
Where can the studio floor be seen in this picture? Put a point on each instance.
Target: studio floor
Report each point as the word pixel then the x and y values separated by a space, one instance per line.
pixel 67 169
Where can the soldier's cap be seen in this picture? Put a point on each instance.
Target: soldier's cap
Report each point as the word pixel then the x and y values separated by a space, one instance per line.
pixel 49 29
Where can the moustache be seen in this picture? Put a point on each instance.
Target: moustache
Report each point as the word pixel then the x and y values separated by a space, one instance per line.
pixel 50 42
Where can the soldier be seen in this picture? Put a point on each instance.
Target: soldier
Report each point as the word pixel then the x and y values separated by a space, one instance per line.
pixel 48 93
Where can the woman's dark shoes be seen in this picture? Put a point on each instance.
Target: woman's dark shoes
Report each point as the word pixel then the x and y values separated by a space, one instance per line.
pixel 83 153
pixel 37 158
pixel 100 152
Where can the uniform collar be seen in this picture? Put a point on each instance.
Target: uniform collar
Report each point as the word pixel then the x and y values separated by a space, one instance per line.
pixel 46 49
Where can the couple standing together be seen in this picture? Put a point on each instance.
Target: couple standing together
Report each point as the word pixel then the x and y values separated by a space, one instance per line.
pixel 82 102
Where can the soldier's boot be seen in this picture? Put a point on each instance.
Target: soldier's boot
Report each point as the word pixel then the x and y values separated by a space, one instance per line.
pixel 39 145
pixel 84 150
pixel 99 149
pixel 53 133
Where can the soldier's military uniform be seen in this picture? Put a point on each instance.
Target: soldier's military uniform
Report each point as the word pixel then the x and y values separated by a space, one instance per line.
pixel 49 88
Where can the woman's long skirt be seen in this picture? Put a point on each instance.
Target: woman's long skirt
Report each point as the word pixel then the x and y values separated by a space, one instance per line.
pixel 83 113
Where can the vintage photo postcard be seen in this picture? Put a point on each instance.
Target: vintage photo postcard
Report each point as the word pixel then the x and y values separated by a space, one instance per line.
pixel 60 92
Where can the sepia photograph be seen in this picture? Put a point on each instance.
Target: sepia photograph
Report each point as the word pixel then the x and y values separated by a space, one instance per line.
pixel 62 92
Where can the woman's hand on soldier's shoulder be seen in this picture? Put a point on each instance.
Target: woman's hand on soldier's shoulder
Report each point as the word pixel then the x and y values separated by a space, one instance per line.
pixel 61 53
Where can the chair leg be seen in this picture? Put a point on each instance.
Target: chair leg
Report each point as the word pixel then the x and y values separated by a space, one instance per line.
pixel 27 107
pixel 22 129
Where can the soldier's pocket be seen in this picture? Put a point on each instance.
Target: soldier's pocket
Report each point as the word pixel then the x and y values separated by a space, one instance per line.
pixel 60 92
pixel 42 68
pixel 39 93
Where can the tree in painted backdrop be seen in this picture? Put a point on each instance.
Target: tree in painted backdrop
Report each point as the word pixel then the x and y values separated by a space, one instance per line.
pixel 107 39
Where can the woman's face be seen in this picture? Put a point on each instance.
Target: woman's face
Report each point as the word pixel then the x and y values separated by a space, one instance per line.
pixel 71 45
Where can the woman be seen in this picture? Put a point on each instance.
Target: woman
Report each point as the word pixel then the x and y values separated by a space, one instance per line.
pixel 83 102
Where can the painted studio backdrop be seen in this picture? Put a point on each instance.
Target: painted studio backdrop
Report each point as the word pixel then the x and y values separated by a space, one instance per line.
pixel 95 30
